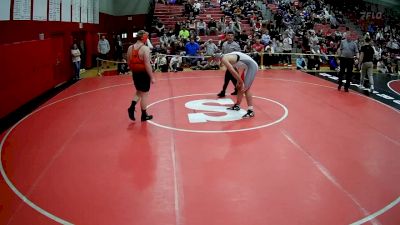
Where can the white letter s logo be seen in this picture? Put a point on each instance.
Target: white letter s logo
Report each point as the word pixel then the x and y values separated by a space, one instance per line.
pixel 230 115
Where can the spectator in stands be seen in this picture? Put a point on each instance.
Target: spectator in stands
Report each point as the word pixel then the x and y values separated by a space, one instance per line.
pixel 164 41
pixel 188 9
pixel 175 63
pixel 192 26
pixel 122 67
pixel 159 49
pixel 236 28
pixel 242 38
pixel 268 56
pixel 161 62
pixel 160 28
pixel 313 39
pixel 237 12
pixel 201 27
pixel 265 38
pixel 258 25
pixel 253 19
pixel 301 63
pixel 196 38
pixel 248 46
pixel 287 48
pixel 196 7
pixel 381 67
pixel 347 50
pixel 377 52
pixel 178 28
pixel 221 25
pixel 279 49
pixel 393 46
pixel 207 63
pixel 210 48
pixel 184 34
pixel 314 61
pixel 212 27
pixel 192 49
pixel 333 64
pixel 257 50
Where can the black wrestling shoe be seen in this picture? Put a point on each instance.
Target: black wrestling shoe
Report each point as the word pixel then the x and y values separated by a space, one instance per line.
pixel 146 117
pixel 235 92
pixel 249 114
pixel 339 87
pixel 221 94
pixel 131 111
pixel 234 107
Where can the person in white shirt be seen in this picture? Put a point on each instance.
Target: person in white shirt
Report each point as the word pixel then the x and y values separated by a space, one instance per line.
pixel 265 38
pixel 210 47
pixel 201 27
pixel 76 61
pixel 103 47
pixel 287 48
pixel 175 63
pixel 381 67
pixel 313 39
pixel 268 56
pixel 164 41
pixel 161 62
pixel 197 7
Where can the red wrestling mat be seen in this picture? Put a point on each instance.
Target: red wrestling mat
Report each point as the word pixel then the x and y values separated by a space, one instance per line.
pixel 110 73
pixel 394 85
pixel 311 155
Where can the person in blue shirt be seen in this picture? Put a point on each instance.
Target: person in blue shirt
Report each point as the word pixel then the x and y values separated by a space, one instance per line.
pixel 192 48
pixel 300 63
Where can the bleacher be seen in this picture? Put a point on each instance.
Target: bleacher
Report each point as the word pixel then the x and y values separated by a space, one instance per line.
pixel 170 14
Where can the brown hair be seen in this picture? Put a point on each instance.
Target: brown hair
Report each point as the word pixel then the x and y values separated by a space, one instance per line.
pixel 140 34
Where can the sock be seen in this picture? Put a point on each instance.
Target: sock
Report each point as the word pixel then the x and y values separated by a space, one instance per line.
pixel 251 108
pixel 133 104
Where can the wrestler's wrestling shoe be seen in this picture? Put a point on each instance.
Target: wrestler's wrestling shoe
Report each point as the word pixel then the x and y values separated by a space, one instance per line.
pixel 249 114
pixel 234 107
pixel 131 111
pixel 146 116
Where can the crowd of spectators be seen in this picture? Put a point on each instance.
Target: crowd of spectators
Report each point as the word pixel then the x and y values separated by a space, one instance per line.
pixel 300 26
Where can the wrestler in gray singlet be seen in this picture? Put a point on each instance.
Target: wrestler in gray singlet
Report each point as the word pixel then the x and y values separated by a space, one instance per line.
pixel 250 66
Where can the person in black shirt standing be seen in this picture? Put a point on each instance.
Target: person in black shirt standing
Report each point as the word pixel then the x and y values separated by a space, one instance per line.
pixel 227 47
pixel 366 64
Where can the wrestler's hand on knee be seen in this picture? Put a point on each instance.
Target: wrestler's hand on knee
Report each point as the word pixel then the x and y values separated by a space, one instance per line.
pixel 239 85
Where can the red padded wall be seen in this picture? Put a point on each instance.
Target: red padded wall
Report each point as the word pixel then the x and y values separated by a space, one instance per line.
pixel 30 67
pixel 27 73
